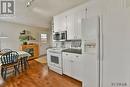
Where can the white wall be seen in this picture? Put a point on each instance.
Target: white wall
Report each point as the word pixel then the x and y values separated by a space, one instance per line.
pixel 12 30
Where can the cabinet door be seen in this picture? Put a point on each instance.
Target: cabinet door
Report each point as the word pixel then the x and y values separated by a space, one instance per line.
pixel 70 27
pixel 79 15
pixel 62 23
pixel 59 23
pixel 67 64
pixel 76 67
pixel 56 24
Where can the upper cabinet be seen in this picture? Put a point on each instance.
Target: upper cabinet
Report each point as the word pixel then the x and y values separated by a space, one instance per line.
pixel 70 27
pixel 74 24
pixel 59 23
pixel 79 15
pixel 70 21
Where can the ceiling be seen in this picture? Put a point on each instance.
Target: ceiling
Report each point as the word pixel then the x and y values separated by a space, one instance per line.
pixel 40 12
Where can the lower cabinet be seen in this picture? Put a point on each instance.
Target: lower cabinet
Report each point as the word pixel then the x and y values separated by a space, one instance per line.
pixel 72 65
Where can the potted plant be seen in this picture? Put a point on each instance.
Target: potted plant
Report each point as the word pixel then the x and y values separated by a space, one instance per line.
pixel 23 39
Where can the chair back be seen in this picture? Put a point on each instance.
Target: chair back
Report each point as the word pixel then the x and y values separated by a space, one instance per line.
pixel 6 50
pixel 9 57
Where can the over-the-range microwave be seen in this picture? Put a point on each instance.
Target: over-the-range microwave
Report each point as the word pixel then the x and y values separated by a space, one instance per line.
pixel 60 36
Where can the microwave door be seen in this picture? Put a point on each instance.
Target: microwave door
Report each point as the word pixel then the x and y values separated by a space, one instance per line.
pixel 63 36
pixel 56 36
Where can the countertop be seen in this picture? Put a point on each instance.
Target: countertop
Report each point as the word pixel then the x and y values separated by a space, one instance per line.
pixel 78 51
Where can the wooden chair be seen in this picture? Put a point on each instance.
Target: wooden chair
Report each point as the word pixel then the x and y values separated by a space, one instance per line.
pixel 9 61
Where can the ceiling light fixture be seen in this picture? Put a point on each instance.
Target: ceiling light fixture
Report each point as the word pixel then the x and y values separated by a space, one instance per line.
pixel 29 3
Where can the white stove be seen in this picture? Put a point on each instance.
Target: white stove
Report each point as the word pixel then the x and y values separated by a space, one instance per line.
pixel 54 59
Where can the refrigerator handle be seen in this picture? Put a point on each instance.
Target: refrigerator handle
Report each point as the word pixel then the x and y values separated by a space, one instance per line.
pixel 101 38
pixel 101 51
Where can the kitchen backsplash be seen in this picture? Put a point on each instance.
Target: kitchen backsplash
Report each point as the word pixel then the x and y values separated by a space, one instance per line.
pixel 68 44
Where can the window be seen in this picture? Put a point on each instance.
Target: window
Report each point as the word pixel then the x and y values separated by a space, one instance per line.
pixel 44 38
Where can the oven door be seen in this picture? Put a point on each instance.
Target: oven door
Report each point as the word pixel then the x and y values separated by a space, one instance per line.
pixel 55 59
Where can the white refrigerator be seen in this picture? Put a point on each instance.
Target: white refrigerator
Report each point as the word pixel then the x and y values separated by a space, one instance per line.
pixel 106 50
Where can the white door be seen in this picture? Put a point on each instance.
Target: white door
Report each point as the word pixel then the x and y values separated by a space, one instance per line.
pixel 116 49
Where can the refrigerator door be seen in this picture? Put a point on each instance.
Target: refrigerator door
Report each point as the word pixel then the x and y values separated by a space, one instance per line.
pixel 90 35
pixel 90 45
pixel 116 49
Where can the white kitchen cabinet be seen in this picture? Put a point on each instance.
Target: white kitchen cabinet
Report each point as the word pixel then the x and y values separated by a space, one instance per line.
pixel 70 21
pixel 70 27
pixel 66 64
pixel 76 66
pixel 79 15
pixel 56 24
pixel 72 65
pixel 74 24
pixel 59 23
